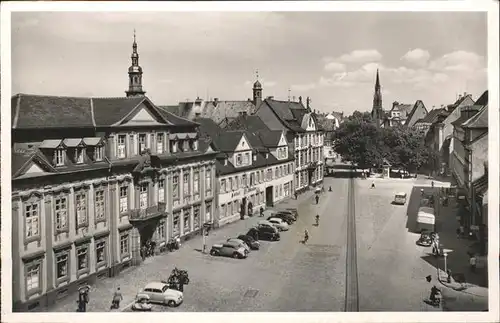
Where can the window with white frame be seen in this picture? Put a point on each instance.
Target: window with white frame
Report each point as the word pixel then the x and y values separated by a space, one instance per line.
pixel 208 211
pixel 194 145
pixel 59 157
pixel 82 258
pixel 244 180
pixel 185 183
pixel 100 251
pixel 276 172
pixel 245 158
pixel 238 159
pixel 175 186
pixel 236 183
pixel 185 145
pixel 196 181
pixel 142 142
pixel 123 198
pixel 187 220
pixel 32 220
pixel 99 205
pixel 79 152
pixel 223 210
pixel 230 208
pixel 208 179
pixel 252 179
pixel 81 209
pixel 161 190
pixel 33 275
pixel 62 265
pixel 173 146
pixel 124 244
pixel 61 213
pixel 143 196
pixel 223 185
pixel 121 146
pixel 133 147
pixel 159 143
pixel 160 230
pixel 230 184
pixel 98 153
pixel 196 217
pixel 176 223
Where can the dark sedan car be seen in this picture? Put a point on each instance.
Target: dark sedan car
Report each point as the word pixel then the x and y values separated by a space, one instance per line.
pixel 251 242
pixel 264 233
pixel 285 217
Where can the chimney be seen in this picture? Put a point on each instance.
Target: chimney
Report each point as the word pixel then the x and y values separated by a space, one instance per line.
pixel 465 94
pixel 468 112
pixel 225 161
pixel 216 101
pixel 293 98
pixel 459 96
pixel 300 99
pixel 395 103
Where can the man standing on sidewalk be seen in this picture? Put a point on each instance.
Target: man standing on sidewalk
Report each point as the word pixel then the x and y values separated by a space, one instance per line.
pixel 472 262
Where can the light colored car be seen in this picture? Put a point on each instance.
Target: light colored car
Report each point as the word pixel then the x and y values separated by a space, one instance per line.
pixel 228 249
pixel 400 198
pixel 238 243
pixel 161 293
pixel 265 223
pixel 279 223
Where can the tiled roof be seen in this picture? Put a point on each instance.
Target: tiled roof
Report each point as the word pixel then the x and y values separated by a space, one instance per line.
pixel 226 109
pixel 227 141
pixel 412 112
pixel 175 119
pixel 260 161
pixel 432 116
pixel 479 120
pixel 271 138
pixel 247 122
pixel 108 111
pixel 483 99
pixel 283 110
pixel 38 111
pixel 170 108
pixel 208 128
pixel 406 108
pixel 460 121
pixel 19 160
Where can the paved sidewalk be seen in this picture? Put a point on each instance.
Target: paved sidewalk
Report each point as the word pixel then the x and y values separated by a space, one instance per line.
pixel 131 279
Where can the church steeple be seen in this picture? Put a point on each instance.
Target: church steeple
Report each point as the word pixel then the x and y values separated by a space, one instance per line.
pixel 377 111
pixel 135 74
pixel 257 91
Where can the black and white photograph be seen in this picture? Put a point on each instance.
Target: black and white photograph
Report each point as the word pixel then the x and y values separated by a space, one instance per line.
pixel 183 161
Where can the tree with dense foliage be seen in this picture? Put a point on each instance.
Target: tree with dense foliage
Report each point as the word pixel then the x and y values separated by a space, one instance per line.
pixel 359 141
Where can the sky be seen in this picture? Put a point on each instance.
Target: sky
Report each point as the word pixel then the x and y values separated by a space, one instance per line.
pixel 331 57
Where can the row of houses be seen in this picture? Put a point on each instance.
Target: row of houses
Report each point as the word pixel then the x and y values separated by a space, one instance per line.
pixel 94 179
pixel 459 135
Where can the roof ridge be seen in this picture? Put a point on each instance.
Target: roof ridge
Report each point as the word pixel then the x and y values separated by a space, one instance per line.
pixel 52 96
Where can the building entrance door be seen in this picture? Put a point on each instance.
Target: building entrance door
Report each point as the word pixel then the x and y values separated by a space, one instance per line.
pixel 269 196
pixel 243 207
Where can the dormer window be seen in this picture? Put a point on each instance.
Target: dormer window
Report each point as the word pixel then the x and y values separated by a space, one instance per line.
pixel 238 160
pixel 246 157
pixel 98 153
pixel 194 145
pixel 59 157
pixel 79 155
pixel 185 145
pixel 121 146
pixel 142 142
pixel 173 146
pixel 159 143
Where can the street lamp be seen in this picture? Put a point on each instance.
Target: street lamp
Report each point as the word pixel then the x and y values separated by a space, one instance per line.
pixel 445 254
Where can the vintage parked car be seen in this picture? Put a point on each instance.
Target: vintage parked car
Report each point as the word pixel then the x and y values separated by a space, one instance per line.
pixel 283 216
pixel 238 243
pixel 161 293
pixel 292 211
pixel 266 232
pixel 254 244
pixel 227 249
pixel 279 223
pixel 142 303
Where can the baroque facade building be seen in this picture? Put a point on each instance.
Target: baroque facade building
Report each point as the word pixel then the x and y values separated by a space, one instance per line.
pixel 93 179
pixel 254 167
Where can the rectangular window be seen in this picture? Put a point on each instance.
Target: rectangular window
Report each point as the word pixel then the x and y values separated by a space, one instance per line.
pixel 82 258
pixel 208 179
pixel 194 145
pixel 236 207
pixel 99 205
pixel 252 179
pixel 59 157
pixel 187 221
pixel 143 196
pixel 175 187
pixel 223 185
pixel 124 244
pixel 238 160
pixel 185 145
pixel 173 146
pixel 230 208
pixel 98 153
pixel 161 191
pixel 62 265
pixel 208 210
pixel 123 199
pixel 32 218
pixel 133 148
pixel 81 209
pixel 245 159
pixel 33 273
pixel 100 251
pixel 244 180
pixel 160 230
pixel 196 182
pixel 223 210
pixel 230 183
pixel 196 217
pixel 142 142
pixel 121 146
pixel 185 187
pixel 61 211
pixel 236 183
pixel 79 155
pixel 159 143
pixel 176 223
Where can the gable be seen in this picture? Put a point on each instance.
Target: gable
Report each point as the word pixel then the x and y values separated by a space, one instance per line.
pixel 282 141
pixel 34 169
pixel 243 144
pixel 142 115
pixel 311 125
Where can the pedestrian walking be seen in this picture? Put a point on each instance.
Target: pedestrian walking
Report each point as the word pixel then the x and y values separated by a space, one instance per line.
pixel 458 233
pixel 472 262
pixel 117 298
pixel 295 194
pixel 373 184
pixel 261 211
pixel 317 199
